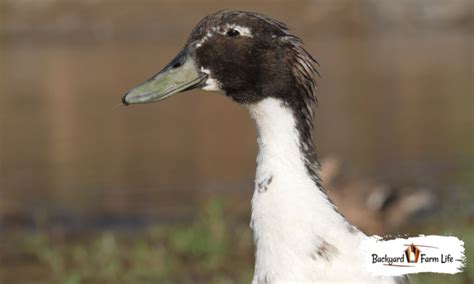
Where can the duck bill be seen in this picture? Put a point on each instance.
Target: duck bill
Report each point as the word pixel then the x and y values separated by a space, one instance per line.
pixel 180 75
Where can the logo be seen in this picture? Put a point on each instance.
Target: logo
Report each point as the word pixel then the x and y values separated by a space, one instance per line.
pixel 412 255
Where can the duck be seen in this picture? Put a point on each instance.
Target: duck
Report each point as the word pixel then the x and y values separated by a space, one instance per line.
pixel 298 233
pixel 376 205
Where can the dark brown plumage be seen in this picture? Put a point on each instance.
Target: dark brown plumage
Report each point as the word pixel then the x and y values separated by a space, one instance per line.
pixel 269 63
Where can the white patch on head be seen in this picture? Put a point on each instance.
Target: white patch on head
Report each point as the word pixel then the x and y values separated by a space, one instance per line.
pixel 211 83
pixel 243 31
pixel 203 40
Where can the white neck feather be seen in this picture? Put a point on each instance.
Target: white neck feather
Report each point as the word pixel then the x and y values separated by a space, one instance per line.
pixel 298 234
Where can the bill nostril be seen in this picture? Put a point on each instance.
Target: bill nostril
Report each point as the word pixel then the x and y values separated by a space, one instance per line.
pixel 176 65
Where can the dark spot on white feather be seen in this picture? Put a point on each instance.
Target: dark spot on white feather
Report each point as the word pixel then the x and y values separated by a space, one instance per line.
pixel 325 251
pixel 352 229
pixel 263 186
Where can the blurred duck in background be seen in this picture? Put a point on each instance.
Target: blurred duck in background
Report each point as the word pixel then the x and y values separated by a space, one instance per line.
pixel 374 206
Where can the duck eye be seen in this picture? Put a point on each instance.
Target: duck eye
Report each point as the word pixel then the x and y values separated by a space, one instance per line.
pixel 232 33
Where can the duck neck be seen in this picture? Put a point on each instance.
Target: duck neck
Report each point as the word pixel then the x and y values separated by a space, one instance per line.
pixel 285 142
pixel 291 215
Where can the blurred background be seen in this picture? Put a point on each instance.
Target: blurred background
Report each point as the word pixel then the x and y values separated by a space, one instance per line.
pixel 93 192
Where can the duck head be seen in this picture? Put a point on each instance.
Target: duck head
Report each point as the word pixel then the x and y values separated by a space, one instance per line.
pixel 245 55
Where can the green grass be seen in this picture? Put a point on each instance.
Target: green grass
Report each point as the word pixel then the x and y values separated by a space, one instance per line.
pixel 212 249
pixel 209 250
